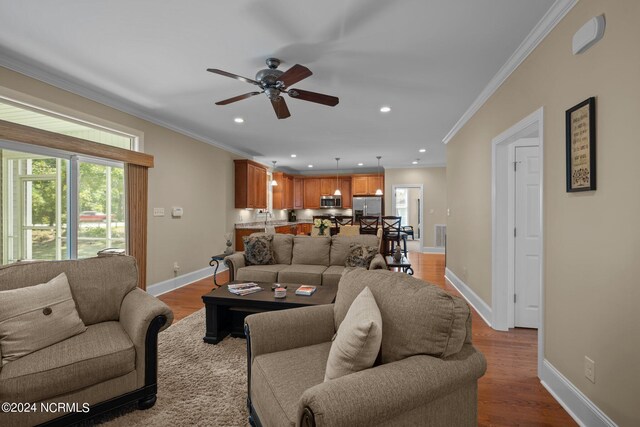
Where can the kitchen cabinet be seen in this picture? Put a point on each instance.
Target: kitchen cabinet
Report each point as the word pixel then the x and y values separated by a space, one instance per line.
pixel 250 185
pixel 312 193
pixel 298 193
pixel 287 229
pixel 327 186
pixel 345 189
pixel 240 234
pixel 366 185
pixel 304 228
pixel 288 194
pixel 279 191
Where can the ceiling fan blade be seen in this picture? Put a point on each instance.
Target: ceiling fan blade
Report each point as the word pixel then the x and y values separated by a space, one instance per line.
pixel 233 76
pixel 294 75
pixel 238 98
pixel 280 107
pixel 319 98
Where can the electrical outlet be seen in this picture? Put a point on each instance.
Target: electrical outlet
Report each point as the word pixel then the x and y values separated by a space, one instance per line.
pixel 158 211
pixel 176 267
pixel 448 211
pixel 590 369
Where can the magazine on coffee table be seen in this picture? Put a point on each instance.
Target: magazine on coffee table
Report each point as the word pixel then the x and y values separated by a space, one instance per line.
pixel 244 288
pixel 305 290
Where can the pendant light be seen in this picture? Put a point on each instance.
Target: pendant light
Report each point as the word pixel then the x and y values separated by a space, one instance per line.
pixel 274 183
pixel 379 190
pixel 337 192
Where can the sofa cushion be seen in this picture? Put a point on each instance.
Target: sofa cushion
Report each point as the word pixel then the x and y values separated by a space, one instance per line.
pixel 331 276
pixel 311 250
pixel 279 379
pixel 418 318
pixel 357 342
pixel 282 245
pixel 36 317
pixel 98 285
pixel 341 245
pixel 103 352
pixel 260 273
pixel 302 274
pixel 361 255
pixel 257 249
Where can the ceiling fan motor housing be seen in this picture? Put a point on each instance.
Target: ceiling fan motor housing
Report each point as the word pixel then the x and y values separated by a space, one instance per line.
pixel 268 76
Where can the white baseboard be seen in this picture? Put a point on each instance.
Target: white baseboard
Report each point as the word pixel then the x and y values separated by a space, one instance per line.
pixel 581 409
pixel 432 250
pixel 180 281
pixel 472 298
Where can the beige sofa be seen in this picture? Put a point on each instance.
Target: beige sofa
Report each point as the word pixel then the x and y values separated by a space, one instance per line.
pixel 428 370
pixel 303 259
pixel 112 363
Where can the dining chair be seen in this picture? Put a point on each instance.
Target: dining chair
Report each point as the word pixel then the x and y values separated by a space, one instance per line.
pixel 369 225
pixel 391 233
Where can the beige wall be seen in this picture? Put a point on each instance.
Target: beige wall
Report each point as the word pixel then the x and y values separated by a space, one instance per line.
pixel 187 173
pixel 592 239
pixel 434 204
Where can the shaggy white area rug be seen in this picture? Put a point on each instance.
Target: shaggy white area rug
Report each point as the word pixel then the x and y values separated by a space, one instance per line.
pixel 198 383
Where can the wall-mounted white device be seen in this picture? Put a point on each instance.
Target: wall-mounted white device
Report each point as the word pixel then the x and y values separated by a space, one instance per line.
pixel 176 212
pixel 588 35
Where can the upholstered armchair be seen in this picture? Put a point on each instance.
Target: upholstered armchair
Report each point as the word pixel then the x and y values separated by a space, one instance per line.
pixel 112 363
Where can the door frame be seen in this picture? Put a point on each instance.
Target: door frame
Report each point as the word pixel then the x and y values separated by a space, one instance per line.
pixel 502 221
pixel 393 207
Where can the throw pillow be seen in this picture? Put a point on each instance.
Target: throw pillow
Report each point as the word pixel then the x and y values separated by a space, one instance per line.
pixel 257 250
pixel 360 255
pixel 36 317
pixel 357 342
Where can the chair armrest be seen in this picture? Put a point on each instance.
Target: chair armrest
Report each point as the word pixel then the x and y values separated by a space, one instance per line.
pixel 391 389
pixel 137 313
pixel 281 330
pixel 378 263
pixel 234 262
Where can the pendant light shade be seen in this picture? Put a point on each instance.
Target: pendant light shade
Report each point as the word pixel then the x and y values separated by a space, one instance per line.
pixel 274 183
pixel 337 192
pixel 379 190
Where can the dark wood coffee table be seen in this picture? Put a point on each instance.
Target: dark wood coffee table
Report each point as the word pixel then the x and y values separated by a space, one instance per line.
pixel 226 311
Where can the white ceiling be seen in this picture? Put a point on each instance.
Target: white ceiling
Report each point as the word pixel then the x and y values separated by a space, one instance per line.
pixel 427 59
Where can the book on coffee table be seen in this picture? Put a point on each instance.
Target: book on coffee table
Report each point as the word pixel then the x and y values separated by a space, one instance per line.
pixel 305 290
pixel 244 288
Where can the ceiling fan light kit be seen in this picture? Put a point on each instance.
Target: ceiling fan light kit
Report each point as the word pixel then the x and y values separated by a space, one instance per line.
pixel 274 82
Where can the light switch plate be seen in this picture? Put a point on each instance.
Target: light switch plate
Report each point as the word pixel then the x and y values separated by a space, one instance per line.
pixel 177 212
pixel 590 369
pixel 158 211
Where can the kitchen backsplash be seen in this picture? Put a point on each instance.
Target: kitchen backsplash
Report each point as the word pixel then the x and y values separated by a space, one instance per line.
pixel 252 215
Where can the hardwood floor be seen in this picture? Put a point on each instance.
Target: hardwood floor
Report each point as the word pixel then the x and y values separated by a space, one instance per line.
pixel 509 394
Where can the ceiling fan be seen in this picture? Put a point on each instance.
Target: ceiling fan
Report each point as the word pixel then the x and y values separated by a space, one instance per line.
pixel 274 82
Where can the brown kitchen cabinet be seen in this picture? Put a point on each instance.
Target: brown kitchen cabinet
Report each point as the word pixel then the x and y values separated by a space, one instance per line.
pixel 327 186
pixel 312 193
pixel 298 193
pixel 345 189
pixel 251 185
pixel 366 185
pixel 304 228
pixel 240 233
pixel 288 195
pixel 280 191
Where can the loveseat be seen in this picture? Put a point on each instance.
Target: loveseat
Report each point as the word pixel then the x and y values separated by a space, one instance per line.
pixel 113 362
pixel 426 375
pixel 303 260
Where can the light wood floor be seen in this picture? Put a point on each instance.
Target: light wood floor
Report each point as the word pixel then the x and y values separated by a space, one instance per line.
pixel 509 394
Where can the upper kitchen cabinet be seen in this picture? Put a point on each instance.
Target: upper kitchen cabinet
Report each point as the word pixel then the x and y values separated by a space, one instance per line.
pixel 251 185
pixel 312 193
pixel 327 186
pixel 298 193
pixel 345 189
pixel 283 192
pixel 288 195
pixel 366 185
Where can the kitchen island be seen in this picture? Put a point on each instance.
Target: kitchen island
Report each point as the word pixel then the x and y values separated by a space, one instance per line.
pixel 302 226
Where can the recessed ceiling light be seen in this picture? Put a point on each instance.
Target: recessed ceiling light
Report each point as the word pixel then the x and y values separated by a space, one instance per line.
pixel 385 109
pixel 238 120
pixel 294 155
pixel 360 164
pixel 422 150
pixel 309 166
pixel 415 162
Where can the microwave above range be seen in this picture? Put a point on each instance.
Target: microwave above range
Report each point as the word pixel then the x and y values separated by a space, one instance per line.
pixel 329 202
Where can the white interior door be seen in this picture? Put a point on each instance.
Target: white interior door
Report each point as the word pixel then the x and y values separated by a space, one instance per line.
pixel 527 237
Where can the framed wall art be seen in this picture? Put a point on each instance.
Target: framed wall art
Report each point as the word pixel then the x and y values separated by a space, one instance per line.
pixel 581 146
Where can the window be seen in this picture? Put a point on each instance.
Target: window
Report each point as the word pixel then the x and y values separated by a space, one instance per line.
pixel 41 186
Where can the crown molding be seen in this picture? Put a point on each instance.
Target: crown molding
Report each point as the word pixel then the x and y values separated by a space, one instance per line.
pixel 21 67
pixel 419 166
pixel 548 22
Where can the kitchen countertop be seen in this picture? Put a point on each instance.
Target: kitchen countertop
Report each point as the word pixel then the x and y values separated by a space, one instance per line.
pixel 260 225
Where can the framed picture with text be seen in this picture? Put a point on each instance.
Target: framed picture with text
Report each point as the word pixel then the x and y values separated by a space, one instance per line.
pixel 581 146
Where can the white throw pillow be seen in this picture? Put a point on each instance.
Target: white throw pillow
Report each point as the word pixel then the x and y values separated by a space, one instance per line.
pixel 36 317
pixel 357 342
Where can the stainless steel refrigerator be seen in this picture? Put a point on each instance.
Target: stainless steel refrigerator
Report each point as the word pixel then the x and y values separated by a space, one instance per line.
pixel 366 206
